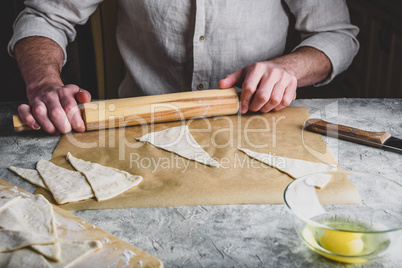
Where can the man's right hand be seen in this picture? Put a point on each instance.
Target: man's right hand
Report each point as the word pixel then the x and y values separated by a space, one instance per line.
pixel 55 109
pixel 52 105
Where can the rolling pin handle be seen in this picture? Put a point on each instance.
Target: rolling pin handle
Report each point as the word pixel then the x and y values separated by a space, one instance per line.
pixel 19 124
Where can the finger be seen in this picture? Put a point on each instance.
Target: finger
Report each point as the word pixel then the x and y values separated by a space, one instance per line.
pixel 80 94
pixel 288 97
pixel 56 113
pixel 74 91
pixel 289 94
pixel 250 84
pixel 231 79
pixel 25 113
pixel 264 92
pixel 275 98
pixel 83 96
pixel 72 111
pixel 39 111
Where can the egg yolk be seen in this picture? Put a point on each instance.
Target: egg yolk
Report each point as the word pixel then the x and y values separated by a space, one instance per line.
pixel 343 243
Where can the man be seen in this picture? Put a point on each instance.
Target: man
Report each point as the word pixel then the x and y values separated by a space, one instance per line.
pixel 180 45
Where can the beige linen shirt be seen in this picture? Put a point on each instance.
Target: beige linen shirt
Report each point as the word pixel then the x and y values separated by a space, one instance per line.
pixel 181 45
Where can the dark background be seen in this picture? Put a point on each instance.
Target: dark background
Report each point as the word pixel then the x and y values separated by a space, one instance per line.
pixel 375 73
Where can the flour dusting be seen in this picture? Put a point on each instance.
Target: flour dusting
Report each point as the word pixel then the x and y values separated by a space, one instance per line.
pixel 81 226
pixel 124 260
pixel 127 255
pixel 15 190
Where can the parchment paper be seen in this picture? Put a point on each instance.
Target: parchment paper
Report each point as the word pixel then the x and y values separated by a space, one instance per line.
pixel 170 180
pixel 114 253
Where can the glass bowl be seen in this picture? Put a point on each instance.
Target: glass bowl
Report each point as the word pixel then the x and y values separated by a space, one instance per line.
pixel 347 229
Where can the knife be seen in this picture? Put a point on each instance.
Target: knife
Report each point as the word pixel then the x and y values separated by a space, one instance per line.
pixel 382 140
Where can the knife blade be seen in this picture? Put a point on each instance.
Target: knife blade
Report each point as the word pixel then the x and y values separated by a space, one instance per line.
pixel 382 140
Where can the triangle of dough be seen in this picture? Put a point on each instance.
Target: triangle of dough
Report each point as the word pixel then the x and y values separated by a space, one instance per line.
pixel 31 175
pixel 6 201
pixel 25 257
pixel 106 182
pixel 179 141
pixel 65 185
pixel 51 251
pixel 33 215
pixel 72 252
pixel 293 167
pixel 12 240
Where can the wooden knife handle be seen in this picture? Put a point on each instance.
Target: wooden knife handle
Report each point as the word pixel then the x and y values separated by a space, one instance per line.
pixel 375 139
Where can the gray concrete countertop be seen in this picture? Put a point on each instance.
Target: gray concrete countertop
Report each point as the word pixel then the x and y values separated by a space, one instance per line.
pixel 234 235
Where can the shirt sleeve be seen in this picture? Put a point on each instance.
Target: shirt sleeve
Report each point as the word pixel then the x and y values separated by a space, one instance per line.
pixel 325 25
pixel 52 19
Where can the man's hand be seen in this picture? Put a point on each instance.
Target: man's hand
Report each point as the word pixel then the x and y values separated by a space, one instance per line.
pixel 271 85
pixel 52 105
pixel 55 109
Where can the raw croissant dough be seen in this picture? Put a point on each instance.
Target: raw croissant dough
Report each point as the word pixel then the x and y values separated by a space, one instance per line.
pixel 25 257
pixel 32 215
pixel 179 141
pixel 89 180
pixel 30 222
pixel 73 252
pixel 11 240
pixel 65 185
pixel 294 167
pixel 106 182
pixel 30 175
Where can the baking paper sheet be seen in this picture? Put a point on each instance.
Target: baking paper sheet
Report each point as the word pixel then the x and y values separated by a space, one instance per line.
pixel 170 180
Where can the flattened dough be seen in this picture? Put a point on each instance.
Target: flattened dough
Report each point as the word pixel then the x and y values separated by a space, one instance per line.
pixel 33 215
pixel 6 201
pixel 25 257
pixel 293 167
pixel 106 182
pixel 31 175
pixel 65 185
pixel 12 240
pixel 179 141
pixel 31 222
pixel 52 251
pixel 73 252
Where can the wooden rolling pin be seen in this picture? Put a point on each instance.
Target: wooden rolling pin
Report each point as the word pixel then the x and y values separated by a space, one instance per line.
pixel 154 109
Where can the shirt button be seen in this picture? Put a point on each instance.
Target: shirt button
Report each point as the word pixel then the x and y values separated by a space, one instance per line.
pixel 202 38
pixel 200 87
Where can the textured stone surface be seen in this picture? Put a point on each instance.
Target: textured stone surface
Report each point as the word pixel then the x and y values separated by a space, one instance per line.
pixel 226 236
